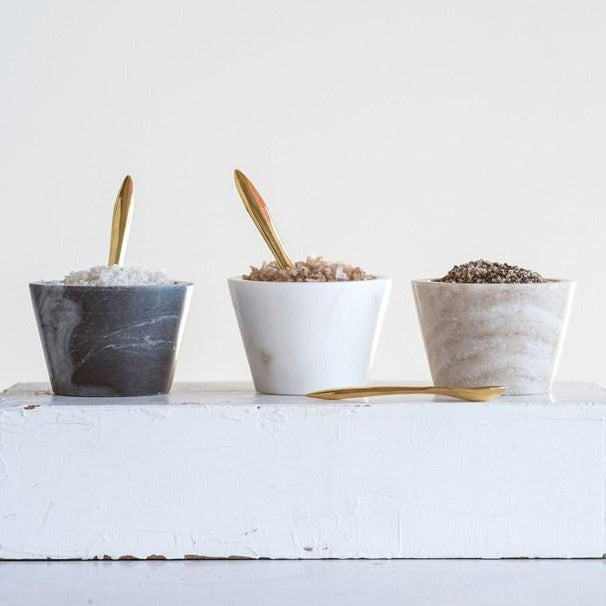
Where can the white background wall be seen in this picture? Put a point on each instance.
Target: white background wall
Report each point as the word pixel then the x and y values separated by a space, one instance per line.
pixel 404 136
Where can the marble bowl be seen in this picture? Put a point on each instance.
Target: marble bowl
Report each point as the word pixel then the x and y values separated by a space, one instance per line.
pixel 494 334
pixel 110 341
pixel 301 337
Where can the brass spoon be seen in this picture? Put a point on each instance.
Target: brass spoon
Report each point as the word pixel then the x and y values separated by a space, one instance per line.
pixel 471 394
pixel 259 213
pixel 121 222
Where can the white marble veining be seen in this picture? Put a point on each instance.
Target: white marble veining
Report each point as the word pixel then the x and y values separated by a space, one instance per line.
pixel 494 334
pixel 303 337
pixel 114 340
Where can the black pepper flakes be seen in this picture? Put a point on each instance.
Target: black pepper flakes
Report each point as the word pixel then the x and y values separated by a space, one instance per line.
pixel 487 272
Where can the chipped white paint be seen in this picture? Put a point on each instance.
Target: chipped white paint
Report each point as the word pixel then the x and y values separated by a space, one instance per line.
pixel 218 471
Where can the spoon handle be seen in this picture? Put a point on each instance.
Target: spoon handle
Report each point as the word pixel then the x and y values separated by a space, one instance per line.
pixel 471 394
pixel 257 209
pixel 121 222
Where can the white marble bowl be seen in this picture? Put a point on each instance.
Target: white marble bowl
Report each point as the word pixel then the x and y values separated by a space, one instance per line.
pixel 306 336
pixel 494 334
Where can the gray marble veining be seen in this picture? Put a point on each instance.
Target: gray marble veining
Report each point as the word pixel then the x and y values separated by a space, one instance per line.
pixel 110 341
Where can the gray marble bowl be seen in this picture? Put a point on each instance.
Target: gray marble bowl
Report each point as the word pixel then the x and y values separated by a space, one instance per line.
pixel 494 334
pixel 110 340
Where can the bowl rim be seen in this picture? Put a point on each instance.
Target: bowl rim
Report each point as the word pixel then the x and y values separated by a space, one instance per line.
pixel 349 283
pixel 59 284
pixel 546 282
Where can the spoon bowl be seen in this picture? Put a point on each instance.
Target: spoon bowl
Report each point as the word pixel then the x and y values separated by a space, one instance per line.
pixel 259 213
pixel 123 209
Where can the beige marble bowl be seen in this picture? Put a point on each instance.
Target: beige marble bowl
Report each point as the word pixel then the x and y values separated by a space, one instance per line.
pixel 494 334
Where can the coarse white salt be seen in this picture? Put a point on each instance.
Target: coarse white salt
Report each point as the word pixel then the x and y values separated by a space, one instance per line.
pixel 117 275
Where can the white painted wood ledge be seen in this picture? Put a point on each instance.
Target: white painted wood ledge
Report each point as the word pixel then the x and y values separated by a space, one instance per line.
pixel 217 471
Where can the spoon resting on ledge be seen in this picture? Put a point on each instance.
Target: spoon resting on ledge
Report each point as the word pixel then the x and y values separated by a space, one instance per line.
pixel 469 394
